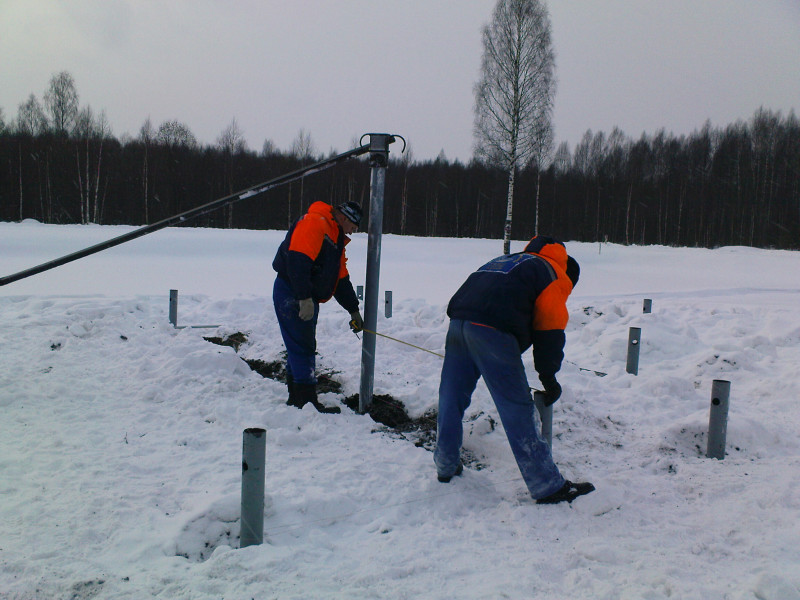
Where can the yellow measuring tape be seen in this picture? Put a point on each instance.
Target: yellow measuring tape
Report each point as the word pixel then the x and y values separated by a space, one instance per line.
pixel 388 337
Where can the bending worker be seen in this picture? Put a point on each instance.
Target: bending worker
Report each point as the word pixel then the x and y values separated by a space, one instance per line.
pixel 501 309
pixel 312 268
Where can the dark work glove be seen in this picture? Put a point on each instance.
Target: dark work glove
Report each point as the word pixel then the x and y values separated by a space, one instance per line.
pixel 552 389
pixel 356 322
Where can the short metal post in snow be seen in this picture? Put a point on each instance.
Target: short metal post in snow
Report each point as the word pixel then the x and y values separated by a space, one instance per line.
pixel 173 314
pixel 388 303
pixel 634 338
pixel 545 416
pixel 718 419
pixel 173 307
pixel 254 451
pixel 647 306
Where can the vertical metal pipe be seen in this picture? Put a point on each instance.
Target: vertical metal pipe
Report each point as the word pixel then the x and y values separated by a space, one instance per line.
pixel 718 419
pixel 388 302
pixel 545 416
pixel 634 339
pixel 647 306
pixel 254 451
pixel 173 307
pixel 378 161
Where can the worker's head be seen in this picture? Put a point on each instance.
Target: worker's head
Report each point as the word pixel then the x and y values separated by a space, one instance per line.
pixel 557 251
pixel 348 215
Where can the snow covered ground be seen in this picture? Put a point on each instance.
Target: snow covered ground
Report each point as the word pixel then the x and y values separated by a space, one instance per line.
pixel 121 436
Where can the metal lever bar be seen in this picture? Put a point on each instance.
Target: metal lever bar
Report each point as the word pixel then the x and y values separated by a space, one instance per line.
pixel 189 214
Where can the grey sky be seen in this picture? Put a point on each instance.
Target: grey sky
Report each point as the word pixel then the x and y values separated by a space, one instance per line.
pixel 342 68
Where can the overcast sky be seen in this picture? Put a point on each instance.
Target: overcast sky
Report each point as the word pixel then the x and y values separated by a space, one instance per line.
pixel 341 68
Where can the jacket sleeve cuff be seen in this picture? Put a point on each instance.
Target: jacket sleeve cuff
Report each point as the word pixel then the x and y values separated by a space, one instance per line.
pixel 548 351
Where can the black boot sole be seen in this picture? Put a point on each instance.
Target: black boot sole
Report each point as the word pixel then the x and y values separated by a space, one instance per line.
pixel 446 479
pixel 567 493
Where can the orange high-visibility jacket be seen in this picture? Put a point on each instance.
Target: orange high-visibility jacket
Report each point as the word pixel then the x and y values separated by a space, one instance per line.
pixel 312 258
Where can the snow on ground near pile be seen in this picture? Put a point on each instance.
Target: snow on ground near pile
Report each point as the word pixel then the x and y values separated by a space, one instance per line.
pixel 120 436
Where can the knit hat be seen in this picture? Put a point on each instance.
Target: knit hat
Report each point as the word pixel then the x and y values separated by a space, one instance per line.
pixel 573 270
pixel 352 211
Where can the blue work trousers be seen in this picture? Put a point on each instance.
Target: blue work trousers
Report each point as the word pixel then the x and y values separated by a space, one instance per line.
pixel 299 337
pixel 473 350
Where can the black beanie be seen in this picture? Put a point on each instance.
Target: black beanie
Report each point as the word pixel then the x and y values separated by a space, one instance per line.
pixel 352 211
pixel 573 270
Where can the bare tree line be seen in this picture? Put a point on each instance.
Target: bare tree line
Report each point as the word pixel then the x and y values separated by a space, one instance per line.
pixel 735 185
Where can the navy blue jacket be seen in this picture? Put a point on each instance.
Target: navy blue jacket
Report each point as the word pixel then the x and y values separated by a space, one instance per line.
pixel 523 294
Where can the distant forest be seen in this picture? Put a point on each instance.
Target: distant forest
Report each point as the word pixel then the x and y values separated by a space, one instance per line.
pixel 738 185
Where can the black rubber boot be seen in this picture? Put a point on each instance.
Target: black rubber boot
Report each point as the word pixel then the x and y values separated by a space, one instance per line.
pixel 294 400
pixel 307 393
pixel 446 479
pixel 568 492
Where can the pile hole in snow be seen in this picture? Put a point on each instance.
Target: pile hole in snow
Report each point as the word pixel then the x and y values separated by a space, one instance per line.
pixel 384 409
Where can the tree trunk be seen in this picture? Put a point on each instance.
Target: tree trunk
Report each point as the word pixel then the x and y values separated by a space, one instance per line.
pixel 628 216
pixel 404 204
pixel 97 184
pixel 88 186
pixel 144 185
pixel 536 208
pixel 49 191
pixel 20 181
pixel 509 206
pixel 80 189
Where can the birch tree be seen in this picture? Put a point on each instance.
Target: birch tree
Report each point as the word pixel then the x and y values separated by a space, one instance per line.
pixel 269 148
pixel 303 149
pixel 175 134
pixel 31 119
pixel 146 136
pixel 514 97
pixel 91 132
pixel 231 142
pixel 61 101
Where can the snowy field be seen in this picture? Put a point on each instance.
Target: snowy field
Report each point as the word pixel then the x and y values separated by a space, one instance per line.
pixel 121 436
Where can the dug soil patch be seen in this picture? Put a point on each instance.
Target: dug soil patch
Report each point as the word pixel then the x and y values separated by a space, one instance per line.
pixel 385 410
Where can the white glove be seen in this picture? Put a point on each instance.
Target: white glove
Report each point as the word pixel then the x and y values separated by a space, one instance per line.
pixel 306 311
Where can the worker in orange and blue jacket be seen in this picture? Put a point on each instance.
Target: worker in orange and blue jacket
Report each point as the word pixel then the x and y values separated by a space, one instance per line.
pixel 510 303
pixel 312 268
